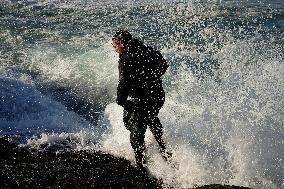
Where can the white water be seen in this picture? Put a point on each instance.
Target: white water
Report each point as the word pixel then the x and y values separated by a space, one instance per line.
pixel 227 130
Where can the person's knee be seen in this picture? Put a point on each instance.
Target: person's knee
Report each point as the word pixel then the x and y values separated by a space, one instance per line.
pixel 134 122
pixel 138 134
pixel 137 142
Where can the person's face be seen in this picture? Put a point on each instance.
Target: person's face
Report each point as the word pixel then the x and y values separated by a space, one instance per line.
pixel 118 46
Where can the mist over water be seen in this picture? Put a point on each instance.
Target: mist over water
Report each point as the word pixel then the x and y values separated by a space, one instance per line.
pixel 223 115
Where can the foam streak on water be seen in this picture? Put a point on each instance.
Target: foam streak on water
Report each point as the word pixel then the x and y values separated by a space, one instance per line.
pixel 223 115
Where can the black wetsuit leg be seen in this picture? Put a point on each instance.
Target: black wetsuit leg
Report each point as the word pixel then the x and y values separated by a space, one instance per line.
pixel 137 116
pixel 154 123
pixel 134 122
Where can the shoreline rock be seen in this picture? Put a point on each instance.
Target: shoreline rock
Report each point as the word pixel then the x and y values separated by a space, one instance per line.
pixel 21 168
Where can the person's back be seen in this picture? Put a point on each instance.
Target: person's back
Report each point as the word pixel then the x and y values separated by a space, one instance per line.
pixel 144 67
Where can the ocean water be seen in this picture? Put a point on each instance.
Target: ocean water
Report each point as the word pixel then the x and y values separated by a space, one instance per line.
pixel 224 111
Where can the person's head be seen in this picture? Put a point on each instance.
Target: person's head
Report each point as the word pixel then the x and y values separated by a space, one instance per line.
pixel 120 40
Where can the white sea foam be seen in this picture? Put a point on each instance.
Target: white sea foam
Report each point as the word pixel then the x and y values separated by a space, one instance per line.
pixel 228 132
pixel 93 73
pixel 226 128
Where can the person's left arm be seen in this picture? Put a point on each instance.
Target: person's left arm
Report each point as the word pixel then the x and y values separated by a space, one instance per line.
pixel 123 83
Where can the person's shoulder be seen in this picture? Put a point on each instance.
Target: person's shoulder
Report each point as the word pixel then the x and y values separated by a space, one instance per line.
pixel 134 43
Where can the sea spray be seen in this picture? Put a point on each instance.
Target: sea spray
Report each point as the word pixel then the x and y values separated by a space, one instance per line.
pixel 231 130
pixel 223 115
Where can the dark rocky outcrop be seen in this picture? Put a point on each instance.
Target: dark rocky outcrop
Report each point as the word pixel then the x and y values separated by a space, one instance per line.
pixel 22 168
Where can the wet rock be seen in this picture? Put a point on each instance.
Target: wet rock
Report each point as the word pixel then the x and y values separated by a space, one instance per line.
pixel 21 168
pixel 219 186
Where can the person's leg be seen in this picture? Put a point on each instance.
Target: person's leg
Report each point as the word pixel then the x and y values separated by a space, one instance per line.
pixel 157 130
pixel 138 145
pixel 133 121
pixel 153 121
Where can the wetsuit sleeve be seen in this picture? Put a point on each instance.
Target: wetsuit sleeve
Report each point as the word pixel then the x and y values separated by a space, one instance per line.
pixel 123 84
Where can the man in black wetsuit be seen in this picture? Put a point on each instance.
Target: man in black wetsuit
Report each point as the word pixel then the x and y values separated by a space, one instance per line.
pixel 140 91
